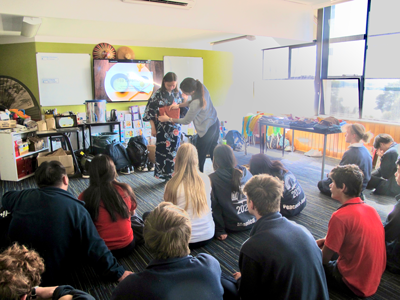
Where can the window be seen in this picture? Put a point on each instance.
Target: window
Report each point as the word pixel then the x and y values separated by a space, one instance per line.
pixel 348 18
pixel 341 96
pixel 382 99
pixel 346 58
pixel 276 63
pixel 303 62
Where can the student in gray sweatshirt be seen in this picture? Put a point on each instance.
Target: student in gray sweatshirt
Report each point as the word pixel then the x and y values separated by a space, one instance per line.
pixel 229 204
pixel 202 113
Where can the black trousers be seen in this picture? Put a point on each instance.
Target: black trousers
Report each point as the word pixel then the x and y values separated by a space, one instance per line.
pixel 206 144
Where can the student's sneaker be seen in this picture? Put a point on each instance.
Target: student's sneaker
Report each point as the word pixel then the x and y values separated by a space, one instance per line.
pixel 85 174
pixel 144 169
pixel 125 171
pixel 132 169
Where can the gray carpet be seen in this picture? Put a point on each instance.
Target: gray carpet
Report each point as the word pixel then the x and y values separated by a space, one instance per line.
pixel 149 192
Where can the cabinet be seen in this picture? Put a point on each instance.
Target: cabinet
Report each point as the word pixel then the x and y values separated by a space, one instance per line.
pixel 9 162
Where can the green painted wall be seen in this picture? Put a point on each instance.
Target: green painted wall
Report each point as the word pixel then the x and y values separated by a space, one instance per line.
pixel 19 61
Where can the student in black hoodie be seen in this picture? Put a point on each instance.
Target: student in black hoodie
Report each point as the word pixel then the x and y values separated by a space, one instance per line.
pixel 293 200
pixel 229 204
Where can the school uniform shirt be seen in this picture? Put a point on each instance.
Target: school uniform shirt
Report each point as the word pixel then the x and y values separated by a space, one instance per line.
pixel 356 233
pixel 281 260
pixel 229 209
pixel 188 277
pixel 118 234
pixel 358 155
pixel 203 226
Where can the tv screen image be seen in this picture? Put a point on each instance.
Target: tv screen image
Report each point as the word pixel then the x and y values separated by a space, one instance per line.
pixel 126 80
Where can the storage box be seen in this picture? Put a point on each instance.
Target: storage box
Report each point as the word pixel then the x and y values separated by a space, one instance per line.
pixel 8 124
pixel 35 143
pixel 64 157
pixel 23 148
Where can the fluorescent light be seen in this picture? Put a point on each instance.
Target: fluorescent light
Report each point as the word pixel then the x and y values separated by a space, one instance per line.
pixel 247 37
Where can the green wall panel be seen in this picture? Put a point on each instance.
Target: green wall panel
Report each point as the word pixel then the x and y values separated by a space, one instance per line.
pixel 19 61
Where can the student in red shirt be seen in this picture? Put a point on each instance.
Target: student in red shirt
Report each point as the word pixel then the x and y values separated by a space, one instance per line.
pixel 111 204
pixel 356 235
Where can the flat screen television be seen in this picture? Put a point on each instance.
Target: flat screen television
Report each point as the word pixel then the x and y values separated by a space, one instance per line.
pixel 126 80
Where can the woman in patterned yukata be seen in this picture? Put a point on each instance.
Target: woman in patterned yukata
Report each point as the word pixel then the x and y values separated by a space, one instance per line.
pixel 168 134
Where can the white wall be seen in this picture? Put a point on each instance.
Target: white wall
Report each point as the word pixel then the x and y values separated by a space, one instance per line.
pixel 247 70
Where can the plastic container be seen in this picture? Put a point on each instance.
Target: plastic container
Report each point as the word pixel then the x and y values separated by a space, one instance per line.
pixel 95 111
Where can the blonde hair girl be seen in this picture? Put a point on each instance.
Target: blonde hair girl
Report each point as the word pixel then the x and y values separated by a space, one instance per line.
pixel 191 190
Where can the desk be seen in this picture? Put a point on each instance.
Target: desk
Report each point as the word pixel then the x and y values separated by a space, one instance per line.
pixel 111 124
pixel 266 123
pixel 63 132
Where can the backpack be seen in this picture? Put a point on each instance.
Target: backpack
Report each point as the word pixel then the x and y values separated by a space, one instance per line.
pixel 234 139
pixel 118 154
pixel 137 151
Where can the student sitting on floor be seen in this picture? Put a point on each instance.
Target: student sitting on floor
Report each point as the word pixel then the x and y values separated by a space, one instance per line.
pixel 57 225
pixel 280 260
pixel 293 200
pixel 111 205
pixel 356 235
pixel 191 190
pixel 383 179
pixel 229 204
pixel 392 232
pixel 20 274
pixel 173 273
pixel 357 154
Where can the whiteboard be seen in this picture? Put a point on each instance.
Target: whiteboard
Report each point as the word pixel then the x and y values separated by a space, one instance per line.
pixel 64 78
pixel 184 67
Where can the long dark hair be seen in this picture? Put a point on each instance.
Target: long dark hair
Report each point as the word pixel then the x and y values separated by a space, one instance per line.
pixel 190 85
pixel 261 164
pixel 169 77
pixel 225 159
pixel 103 189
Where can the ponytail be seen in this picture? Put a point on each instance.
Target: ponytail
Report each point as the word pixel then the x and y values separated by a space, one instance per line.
pixel 190 85
pixel 235 181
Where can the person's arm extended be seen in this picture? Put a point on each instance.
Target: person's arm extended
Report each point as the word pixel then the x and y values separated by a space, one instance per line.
pixel 64 292
pixel 97 252
pixel 326 254
pixel 220 232
pixel 194 110
pixel 250 281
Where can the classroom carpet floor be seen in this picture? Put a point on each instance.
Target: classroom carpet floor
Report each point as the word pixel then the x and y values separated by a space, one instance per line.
pixel 149 192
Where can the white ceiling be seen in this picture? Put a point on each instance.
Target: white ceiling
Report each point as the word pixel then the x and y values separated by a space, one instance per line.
pixel 116 22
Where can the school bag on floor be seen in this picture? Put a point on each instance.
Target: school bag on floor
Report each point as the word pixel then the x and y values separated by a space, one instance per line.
pixel 234 139
pixel 118 154
pixel 137 151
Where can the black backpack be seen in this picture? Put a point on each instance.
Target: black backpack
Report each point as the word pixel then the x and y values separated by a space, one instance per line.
pixel 118 154
pixel 234 139
pixel 137 151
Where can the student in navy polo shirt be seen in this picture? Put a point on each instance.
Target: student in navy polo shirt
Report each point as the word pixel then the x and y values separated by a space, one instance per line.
pixel 173 274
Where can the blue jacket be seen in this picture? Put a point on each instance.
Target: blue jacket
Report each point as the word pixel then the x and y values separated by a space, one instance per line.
pixel 194 278
pixel 361 157
pixel 53 222
pixel 281 260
